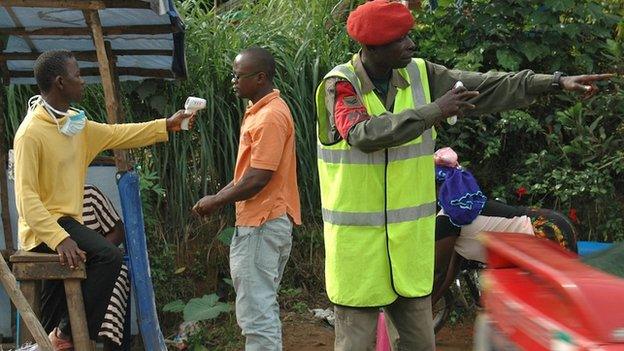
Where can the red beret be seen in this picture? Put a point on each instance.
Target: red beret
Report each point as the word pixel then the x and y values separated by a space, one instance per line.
pixel 379 22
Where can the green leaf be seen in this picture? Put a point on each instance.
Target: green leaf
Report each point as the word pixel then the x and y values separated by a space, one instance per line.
pixel 174 306
pixel 508 59
pixel 567 149
pixel 205 308
pixel 594 124
pixel 226 235
pixel 559 5
pixel 532 50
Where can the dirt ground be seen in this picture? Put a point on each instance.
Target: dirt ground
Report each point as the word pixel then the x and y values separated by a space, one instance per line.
pixel 304 333
pixel 456 337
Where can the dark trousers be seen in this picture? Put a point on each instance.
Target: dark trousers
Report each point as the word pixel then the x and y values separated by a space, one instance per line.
pixel 103 264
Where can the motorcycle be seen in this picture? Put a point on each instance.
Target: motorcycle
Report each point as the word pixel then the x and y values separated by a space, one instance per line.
pixel 464 289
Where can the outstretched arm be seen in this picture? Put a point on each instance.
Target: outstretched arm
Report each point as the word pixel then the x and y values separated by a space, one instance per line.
pixel 499 91
pixel 101 136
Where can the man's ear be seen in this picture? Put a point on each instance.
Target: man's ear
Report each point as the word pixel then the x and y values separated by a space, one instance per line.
pixel 261 77
pixel 58 82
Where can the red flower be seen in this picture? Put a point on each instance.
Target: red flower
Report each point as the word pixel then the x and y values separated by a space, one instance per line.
pixel 521 191
pixel 573 216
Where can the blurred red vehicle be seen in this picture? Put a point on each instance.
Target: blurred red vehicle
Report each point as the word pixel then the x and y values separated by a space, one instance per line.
pixel 538 296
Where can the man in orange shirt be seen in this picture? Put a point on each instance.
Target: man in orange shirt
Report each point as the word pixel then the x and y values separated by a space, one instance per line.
pixel 267 200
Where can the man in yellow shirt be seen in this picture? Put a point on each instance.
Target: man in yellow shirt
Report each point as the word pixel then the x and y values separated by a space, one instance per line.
pixel 53 148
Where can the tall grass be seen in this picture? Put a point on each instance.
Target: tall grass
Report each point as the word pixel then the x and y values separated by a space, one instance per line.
pixel 306 41
pixel 305 44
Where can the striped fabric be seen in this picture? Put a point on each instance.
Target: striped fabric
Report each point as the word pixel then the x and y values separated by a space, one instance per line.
pixel 100 215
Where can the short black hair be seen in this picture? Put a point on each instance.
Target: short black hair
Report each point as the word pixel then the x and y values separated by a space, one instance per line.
pixel 49 65
pixel 263 59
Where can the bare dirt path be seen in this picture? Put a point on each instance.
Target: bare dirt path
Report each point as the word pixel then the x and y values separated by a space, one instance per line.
pixel 304 333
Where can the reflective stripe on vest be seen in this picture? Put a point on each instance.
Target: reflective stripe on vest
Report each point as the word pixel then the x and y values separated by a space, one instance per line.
pixel 379 218
pixel 355 156
pixel 379 207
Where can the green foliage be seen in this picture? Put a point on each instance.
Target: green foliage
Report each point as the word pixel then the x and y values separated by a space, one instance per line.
pixel 176 306
pixel 512 34
pixel 225 237
pixel 204 308
pixel 567 153
pixel 151 192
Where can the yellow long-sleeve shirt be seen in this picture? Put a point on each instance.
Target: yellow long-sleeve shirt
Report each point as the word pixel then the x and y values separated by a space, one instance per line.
pixel 50 169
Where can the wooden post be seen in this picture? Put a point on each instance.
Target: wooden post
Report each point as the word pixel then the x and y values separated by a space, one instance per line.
pixel 121 156
pixel 31 321
pixel 77 317
pixel 112 104
pixel 4 196
pixel 30 291
pixel 115 80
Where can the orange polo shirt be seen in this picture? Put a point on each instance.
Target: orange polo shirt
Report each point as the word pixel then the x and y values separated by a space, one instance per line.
pixel 267 141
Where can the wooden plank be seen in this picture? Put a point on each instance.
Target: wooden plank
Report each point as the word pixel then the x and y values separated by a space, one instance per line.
pixel 122 71
pixel 85 55
pixel 112 62
pixel 34 326
pixel 47 270
pixel 6 253
pixel 29 289
pixel 107 31
pixel 77 317
pixel 29 256
pixel 78 4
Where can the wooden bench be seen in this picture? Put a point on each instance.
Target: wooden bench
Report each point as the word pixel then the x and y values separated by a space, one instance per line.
pixel 29 268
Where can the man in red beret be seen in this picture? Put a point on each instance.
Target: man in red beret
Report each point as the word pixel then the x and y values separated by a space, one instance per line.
pixel 375 159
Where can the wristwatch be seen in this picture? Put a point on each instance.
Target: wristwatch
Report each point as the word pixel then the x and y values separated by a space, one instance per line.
pixel 555 84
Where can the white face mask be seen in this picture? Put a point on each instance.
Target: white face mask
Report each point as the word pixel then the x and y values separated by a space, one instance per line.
pixel 74 122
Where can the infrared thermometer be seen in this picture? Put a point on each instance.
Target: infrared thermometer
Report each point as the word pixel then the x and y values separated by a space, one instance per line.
pixel 192 105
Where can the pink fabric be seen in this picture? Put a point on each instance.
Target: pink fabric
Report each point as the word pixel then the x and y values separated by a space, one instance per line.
pixel 383 342
pixel 446 157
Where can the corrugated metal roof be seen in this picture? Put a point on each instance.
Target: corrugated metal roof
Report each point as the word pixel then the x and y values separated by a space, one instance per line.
pixel 146 37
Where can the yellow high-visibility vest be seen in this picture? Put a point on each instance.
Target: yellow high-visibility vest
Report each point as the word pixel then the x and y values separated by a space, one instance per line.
pixel 379 207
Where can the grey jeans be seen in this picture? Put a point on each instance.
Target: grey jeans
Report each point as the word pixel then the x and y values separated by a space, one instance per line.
pixel 258 256
pixel 408 320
